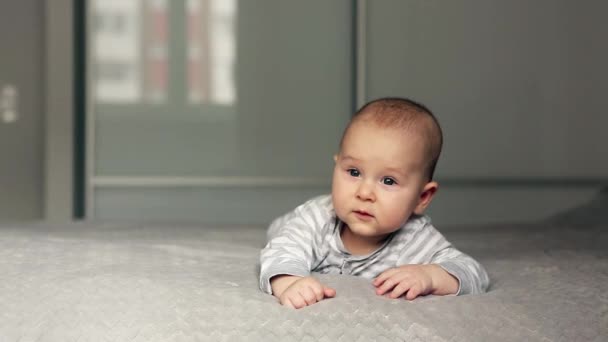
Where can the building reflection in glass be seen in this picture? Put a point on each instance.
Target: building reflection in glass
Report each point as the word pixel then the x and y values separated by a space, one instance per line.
pixel 132 61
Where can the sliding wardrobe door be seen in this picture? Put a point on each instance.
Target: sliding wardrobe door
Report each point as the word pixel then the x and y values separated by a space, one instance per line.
pixel 219 111
pixel 519 87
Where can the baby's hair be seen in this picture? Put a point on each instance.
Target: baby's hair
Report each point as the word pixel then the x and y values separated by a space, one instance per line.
pixel 396 112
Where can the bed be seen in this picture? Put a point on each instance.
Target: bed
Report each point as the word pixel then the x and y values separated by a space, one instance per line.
pixel 121 281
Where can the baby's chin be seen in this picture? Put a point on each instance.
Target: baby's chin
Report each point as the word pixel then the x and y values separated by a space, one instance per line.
pixel 371 231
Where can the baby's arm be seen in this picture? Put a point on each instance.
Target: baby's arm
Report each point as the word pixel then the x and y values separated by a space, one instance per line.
pixel 433 267
pixel 287 259
pixel 298 292
pixel 449 272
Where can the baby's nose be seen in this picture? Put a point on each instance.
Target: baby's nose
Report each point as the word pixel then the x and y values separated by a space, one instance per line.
pixel 365 191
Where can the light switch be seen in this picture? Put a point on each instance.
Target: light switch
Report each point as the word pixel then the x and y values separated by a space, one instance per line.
pixel 8 103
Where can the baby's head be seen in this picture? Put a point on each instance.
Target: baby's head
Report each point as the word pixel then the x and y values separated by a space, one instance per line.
pixel 411 119
pixel 384 170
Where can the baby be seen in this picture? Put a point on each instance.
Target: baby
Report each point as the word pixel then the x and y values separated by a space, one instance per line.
pixel 373 223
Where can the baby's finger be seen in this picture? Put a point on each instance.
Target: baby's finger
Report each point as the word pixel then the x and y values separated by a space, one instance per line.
pixel 412 293
pixel 318 292
pixel 329 292
pixel 287 302
pixel 297 301
pixel 387 285
pixel 308 295
pixel 400 289
pixel 383 276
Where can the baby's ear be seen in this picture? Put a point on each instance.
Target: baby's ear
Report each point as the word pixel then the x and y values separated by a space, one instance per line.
pixel 426 196
pixel 335 158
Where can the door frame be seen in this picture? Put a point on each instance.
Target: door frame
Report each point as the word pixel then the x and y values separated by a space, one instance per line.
pixel 59 110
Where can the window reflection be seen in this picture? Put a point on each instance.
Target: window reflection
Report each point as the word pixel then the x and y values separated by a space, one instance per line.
pixel 131 61
pixel 211 51
pixel 155 60
pixel 116 51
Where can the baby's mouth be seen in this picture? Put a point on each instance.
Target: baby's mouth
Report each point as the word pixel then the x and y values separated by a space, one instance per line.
pixel 363 213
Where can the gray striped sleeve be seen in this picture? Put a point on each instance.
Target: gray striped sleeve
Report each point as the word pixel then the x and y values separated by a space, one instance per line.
pixel 290 246
pixel 472 277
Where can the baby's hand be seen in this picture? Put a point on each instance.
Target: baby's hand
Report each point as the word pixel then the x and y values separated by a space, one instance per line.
pixel 305 291
pixel 413 280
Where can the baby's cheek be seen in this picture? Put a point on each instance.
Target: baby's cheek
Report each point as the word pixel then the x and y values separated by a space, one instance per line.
pixel 395 217
pixel 340 212
pixel 338 204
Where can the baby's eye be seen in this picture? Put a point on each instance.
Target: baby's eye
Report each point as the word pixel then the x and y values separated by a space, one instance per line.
pixel 388 181
pixel 354 172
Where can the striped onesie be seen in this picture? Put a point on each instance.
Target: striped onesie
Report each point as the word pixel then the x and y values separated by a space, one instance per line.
pixel 308 240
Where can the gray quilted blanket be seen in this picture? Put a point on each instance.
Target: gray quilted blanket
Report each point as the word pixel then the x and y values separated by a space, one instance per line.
pixel 175 282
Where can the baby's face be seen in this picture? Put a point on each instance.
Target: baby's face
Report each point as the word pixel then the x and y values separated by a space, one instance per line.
pixel 378 179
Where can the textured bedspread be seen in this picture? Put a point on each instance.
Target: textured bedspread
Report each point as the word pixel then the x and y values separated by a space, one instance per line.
pixel 153 282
